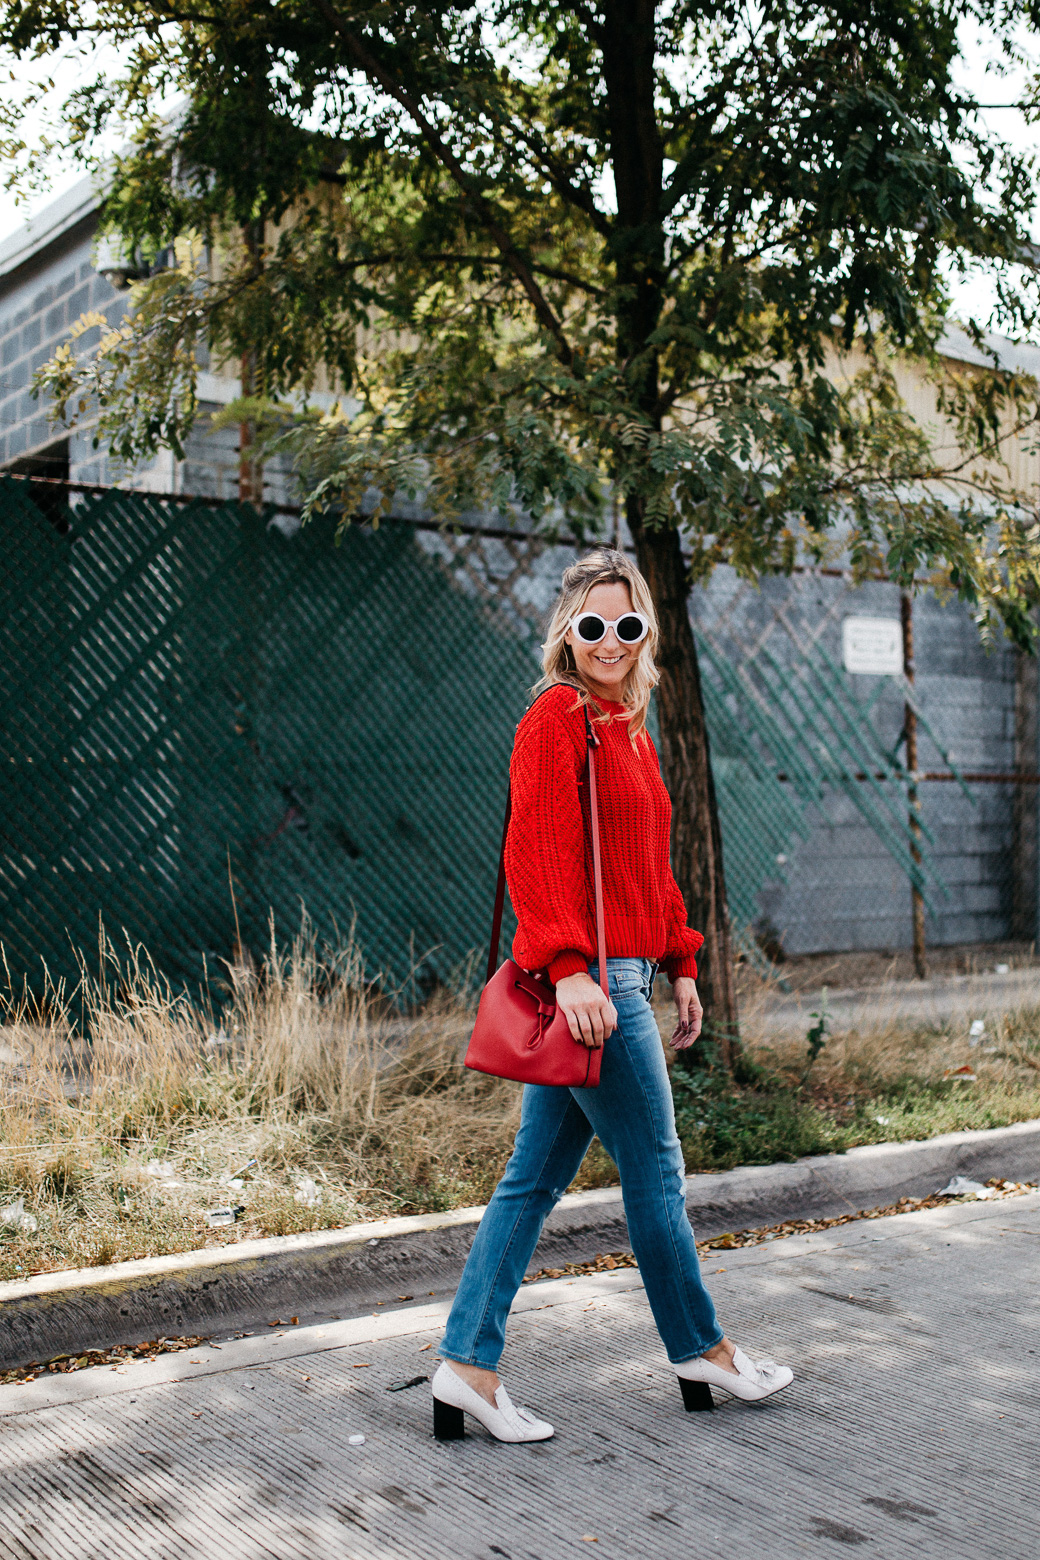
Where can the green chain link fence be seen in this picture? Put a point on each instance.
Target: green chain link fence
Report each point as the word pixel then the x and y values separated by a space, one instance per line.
pixel 184 684
pixel 208 713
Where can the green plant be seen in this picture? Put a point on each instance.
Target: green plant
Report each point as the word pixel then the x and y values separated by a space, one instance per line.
pixel 816 1036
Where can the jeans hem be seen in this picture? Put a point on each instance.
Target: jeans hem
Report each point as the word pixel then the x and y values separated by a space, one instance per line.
pixel 477 1364
pixel 697 1352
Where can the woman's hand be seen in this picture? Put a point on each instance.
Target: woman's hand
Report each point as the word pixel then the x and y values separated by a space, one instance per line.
pixel 691 1014
pixel 590 1015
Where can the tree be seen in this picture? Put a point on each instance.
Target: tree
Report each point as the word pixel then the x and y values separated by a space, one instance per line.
pixel 559 251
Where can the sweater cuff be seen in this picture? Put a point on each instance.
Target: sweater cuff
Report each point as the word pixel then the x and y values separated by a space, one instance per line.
pixel 570 962
pixel 676 968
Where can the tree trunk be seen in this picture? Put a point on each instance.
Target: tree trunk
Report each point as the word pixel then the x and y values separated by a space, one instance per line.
pixel 686 765
pixel 628 38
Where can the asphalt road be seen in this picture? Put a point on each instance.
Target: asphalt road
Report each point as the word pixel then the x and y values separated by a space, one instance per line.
pixel 912 1428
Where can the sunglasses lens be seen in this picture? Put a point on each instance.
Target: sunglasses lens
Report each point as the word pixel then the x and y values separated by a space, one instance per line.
pixel 591 628
pixel 629 630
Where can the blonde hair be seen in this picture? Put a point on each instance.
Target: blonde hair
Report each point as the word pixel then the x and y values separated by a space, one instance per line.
pixel 602 566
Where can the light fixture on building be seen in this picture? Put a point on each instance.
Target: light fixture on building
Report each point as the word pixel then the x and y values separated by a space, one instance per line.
pixel 117 263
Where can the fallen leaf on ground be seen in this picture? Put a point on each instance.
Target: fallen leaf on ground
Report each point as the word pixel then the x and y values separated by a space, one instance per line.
pixel 998 1186
pixel 119 1354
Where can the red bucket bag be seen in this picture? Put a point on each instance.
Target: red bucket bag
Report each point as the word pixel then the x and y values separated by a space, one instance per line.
pixel 520 1032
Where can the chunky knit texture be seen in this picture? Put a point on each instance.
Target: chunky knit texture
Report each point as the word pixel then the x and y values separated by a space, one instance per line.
pixel 549 852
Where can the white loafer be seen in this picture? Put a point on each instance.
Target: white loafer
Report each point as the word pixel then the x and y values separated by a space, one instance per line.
pixel 752 1383
pixel 452 1399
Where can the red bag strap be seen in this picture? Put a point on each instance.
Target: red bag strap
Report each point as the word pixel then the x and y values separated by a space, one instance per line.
pixel 592 742
pixel 597 868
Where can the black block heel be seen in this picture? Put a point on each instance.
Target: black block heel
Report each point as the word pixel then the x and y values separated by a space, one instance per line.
pixel 696 1396
pixel 449 1422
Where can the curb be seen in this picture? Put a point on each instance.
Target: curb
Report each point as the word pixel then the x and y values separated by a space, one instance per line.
pixel 232 1286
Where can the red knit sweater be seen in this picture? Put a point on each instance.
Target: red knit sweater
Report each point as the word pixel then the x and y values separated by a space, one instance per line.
pixel 548 847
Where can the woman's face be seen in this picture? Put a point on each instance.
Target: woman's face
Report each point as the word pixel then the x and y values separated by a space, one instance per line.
pixel 604 666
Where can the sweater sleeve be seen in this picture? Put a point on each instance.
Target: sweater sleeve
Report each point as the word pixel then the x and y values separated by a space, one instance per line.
pixel 683 942
pixel 545 846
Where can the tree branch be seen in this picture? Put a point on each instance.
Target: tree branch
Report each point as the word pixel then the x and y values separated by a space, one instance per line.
pixel 561 181
pixel 450 257
pixel 376 72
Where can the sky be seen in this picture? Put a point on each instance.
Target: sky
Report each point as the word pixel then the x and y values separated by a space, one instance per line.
pixel 972 296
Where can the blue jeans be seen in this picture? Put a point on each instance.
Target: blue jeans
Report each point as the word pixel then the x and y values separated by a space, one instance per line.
pixel 631 1113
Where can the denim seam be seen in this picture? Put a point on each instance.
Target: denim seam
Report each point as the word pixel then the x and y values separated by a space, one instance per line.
pixel 671 1235
pixel 512 1237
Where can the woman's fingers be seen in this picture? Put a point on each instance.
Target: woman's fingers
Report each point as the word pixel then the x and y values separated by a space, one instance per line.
pixel 594 1023
pixel 579 1025
pixel 605 1020
pixel 688 1007
pixel 591 1016
pixel 691 1014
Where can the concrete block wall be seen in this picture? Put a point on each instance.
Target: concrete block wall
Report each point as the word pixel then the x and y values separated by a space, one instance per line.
pixel 39 302
pixel 37 307
pixel 843 890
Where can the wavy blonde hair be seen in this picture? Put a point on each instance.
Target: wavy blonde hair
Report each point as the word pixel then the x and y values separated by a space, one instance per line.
pixel 602 566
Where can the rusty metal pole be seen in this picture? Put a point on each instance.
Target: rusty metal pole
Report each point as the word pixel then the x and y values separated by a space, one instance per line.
pixel 250 469
pixel 249 478
pixel 912 796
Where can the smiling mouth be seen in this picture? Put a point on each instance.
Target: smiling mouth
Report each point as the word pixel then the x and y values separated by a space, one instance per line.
pixel 609 660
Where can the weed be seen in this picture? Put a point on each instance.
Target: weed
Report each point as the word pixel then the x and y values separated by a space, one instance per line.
pixel 129 1109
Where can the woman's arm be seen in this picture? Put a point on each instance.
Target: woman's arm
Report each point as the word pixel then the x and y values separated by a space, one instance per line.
pixel 545 846
pixel 683 943
pixel 546 869
pixel 680 965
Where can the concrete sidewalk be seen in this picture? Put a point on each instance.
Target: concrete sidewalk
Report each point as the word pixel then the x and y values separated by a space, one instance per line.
pixel 944 999
pixel 912 1428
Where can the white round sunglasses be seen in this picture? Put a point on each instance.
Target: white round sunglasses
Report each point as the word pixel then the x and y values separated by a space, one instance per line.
pixel 591 627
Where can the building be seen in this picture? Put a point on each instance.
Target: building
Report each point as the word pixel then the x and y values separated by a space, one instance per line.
pixel 831 876
pixel 48 280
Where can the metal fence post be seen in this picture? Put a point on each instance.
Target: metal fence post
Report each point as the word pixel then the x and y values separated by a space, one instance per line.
pixel 1024 863
pixel 913 798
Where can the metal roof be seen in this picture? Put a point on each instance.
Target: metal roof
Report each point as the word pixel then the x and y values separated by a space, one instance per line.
pixel 50 224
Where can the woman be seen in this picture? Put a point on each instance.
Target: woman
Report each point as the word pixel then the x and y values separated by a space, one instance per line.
pixel 599 652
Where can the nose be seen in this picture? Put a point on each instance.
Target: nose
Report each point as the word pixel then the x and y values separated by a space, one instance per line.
pixel 610 642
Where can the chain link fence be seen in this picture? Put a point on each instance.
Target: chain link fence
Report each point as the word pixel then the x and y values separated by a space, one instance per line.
pixel 207 721
pixel 212 717
pixel 836 783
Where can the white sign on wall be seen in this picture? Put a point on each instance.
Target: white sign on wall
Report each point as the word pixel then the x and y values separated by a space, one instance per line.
pixel 872 645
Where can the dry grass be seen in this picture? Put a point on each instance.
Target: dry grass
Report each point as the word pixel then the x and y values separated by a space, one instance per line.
pixel 887 1051
pixel 884 1078
pixel 128 1108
